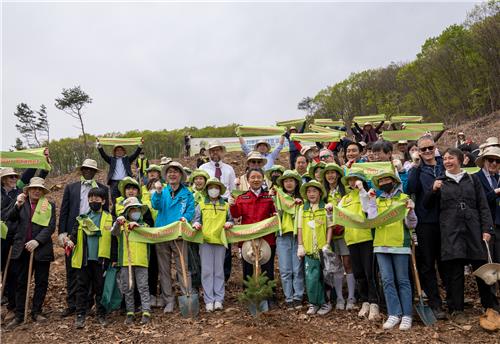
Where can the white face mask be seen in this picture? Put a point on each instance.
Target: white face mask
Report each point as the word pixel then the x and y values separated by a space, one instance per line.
pixel 213 192
pixel 135 215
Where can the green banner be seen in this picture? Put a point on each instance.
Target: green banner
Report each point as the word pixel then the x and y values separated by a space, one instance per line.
pixel 372 118
pixel 406 134
pixel 401 119
pixel 236 193
pixel 316 137
pixel 122 141
pixel 252 231
pixel 285 202
pixel 246 130
pixel 37 151
pixel 371 169
pixel 471 170
pixel 343 217
pixel 426 126
pixel 175 230
pixel 21 159
pixel 328 122
pixel 291 123
pixel 320 129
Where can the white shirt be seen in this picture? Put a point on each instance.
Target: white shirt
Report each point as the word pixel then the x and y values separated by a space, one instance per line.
pixel 456 177
pixel 84 198
pixel 119 172
pixel 227 177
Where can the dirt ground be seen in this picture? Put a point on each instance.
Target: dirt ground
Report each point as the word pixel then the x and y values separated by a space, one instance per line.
pixel 234 324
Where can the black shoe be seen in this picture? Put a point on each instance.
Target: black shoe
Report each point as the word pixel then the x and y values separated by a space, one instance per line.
pixel 80 321
pixel 290 306
pixel 5 300
pixel 439 313
pixel 68 312
pixel 297 304
pixel 146 319
pixel 13 324
pixel 102 320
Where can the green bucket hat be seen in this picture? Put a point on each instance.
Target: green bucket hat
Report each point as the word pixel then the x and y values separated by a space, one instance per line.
pixel 198 173
pixel 215 181
pixel 153 167
pixel 358 174
pixel 314 183
pixel 332 167
pixel 376 178
pixel 122 185
pixel 274 168
pixel 313 166
pixel 289 174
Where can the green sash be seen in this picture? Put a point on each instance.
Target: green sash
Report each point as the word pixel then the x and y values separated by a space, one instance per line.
pixel 43 212
pixel 88 226
pixel 94 183
pixel 173 231
pixel 285 202
pixel 396 212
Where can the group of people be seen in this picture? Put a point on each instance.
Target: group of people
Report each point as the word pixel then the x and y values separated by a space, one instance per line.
pixel 450 216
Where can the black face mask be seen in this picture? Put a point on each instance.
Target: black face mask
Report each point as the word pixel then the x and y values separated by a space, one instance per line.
pixel 387 187
pixel 95 206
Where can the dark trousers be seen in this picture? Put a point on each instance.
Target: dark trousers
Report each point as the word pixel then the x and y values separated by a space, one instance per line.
pixel 41 272
pixel 268 268
pixel 71 284
pixel 228 261
pixel 10 282
pixel 194 265
pixel 89 278
pixel 293 157
pixel 363 270
pixel 115 193
pixel 455 280
pixel 495 254
pixel 153 271
pixel 428 254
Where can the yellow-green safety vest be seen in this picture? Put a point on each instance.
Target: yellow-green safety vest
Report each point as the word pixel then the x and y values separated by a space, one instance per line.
pixel 352 202
pixel 146 199
pixel 139 252
pixel 334 199
pixel 313 239
pixel 394 234
pixel 214 217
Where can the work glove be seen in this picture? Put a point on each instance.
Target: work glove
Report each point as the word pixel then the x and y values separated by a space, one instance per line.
pixel 197 226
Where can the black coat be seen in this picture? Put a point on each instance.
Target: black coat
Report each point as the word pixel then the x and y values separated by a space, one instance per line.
pixel 70 206
pixel 22 217
pixel 463 217
pixel 127 161
pixel 492 198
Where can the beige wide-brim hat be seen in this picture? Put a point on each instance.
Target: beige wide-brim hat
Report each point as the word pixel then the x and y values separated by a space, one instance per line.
pixel 489 273
pixel 7 171
pixel 89 163
pixel 306 149
pixel 36 182
pixel 262 142
pixel 165 161
pixel 264 251
pixel 492 151
pixel 254 155
pixel 490 141
pixel 216 144
pixel 177 165
pixel 133 202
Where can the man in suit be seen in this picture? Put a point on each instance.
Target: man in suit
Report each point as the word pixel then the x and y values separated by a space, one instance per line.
pixel 119 166
pixel 489 162
pixel 74 204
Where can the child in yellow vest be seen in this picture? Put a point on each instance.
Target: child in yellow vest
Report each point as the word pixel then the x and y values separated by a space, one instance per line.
pixel 91 243
pixel 314 230
pixel 135 254
pixel 212 217
pixel 391 245
pixel 360 241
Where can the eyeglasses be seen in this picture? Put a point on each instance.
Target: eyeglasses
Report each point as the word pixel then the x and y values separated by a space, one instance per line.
pixel 425 149
pixel 324 157
pixel 492 160
pixel 254 161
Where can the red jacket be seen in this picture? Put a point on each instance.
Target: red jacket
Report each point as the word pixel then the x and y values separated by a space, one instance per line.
pixel 253 209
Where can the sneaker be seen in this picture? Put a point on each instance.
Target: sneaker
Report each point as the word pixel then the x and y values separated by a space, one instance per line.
pixel 365 309
pixel 405 323
pixel 350 304
pixel 9 316
pixel 297 304
pixel 290 305
pixel 325 309
pixel 340 305
pixel 153 301
pixel 169 308
pixel 129 320
pixel 374 312
pixel 218 306
pixel 146 318
pixel 101 319
pixel 13 324
pixel 312 309
pixel 439 313
pixel 391 322
pixel 209 307
pixel 80 321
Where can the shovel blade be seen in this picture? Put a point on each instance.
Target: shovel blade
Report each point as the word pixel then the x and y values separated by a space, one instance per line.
pixel 425 313
pixel 189 305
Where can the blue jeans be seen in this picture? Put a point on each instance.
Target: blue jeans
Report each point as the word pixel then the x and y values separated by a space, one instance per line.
pixel 394 268
pixel 291 267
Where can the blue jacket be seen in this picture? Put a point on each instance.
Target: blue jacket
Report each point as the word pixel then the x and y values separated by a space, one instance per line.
pixel 420 181
pixel 172 209
pixel 492 198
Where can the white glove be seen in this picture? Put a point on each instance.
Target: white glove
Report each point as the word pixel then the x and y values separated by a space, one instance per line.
pixel 326 249
pixel 70 243
pixel 61 239
pixel 414 238
pixel 359 184
pixel 158 187
pixel 31 245
pixel 301 252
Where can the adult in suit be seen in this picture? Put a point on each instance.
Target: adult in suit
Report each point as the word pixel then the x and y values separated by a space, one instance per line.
pixel 74 204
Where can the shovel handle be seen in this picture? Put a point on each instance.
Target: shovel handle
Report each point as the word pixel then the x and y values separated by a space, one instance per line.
pixel 129 261
pixel 183 266
pixel 26 302
pixel 488 250
pixel 415 271
pixel 4 277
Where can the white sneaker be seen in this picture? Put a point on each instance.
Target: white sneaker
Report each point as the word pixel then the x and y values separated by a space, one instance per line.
pixel 218 306
pixel 374 312
pixel 391 322
pixel 325 309
pixel 365 308
pixel 340 305
pixel 152 301
pixel 169 308
pixel 312 309
pixel 405 323
pixel 209 307
pixel 350 304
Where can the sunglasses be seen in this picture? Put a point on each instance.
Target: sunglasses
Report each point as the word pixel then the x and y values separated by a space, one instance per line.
pixel 425 149
pixel 492 160
pixel 12 177
pixel 324 157
pixel 254 161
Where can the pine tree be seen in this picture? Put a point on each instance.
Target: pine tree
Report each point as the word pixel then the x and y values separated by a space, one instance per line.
pixel 258 288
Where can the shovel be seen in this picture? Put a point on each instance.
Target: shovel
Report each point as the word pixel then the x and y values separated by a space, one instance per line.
pixel 424 312
pixel 4 277
pixel 489 272
pixel 189 304
pixel 26 303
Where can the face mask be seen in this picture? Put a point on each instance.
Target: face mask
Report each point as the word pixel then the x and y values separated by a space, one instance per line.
pixel 387 187
pixel 95 206
pixel 214 192
pixel 135 216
